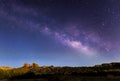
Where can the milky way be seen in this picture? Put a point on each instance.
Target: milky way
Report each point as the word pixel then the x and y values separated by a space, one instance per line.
pixel 80 32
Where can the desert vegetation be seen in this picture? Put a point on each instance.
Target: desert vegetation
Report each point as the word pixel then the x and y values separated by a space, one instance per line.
pixel 34 71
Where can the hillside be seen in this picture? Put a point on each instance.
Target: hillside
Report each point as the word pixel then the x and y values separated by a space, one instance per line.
pixel 28 71
pixel 5 68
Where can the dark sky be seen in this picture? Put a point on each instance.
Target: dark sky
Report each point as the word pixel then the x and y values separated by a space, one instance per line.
pixel 59 32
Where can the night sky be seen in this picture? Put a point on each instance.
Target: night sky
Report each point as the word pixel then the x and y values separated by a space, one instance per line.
pixel 59 32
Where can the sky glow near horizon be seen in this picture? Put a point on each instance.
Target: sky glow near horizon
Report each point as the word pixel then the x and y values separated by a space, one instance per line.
pixel 59 32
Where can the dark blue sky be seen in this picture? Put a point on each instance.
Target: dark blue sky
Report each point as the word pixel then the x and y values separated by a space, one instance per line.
pixel 59 32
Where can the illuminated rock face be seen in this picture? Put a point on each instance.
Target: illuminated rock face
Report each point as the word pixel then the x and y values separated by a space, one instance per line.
pixel 34 65
pixel 26 65
pixel 31 66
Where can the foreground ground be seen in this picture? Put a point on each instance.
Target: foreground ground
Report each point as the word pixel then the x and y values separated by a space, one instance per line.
pixel 68 78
